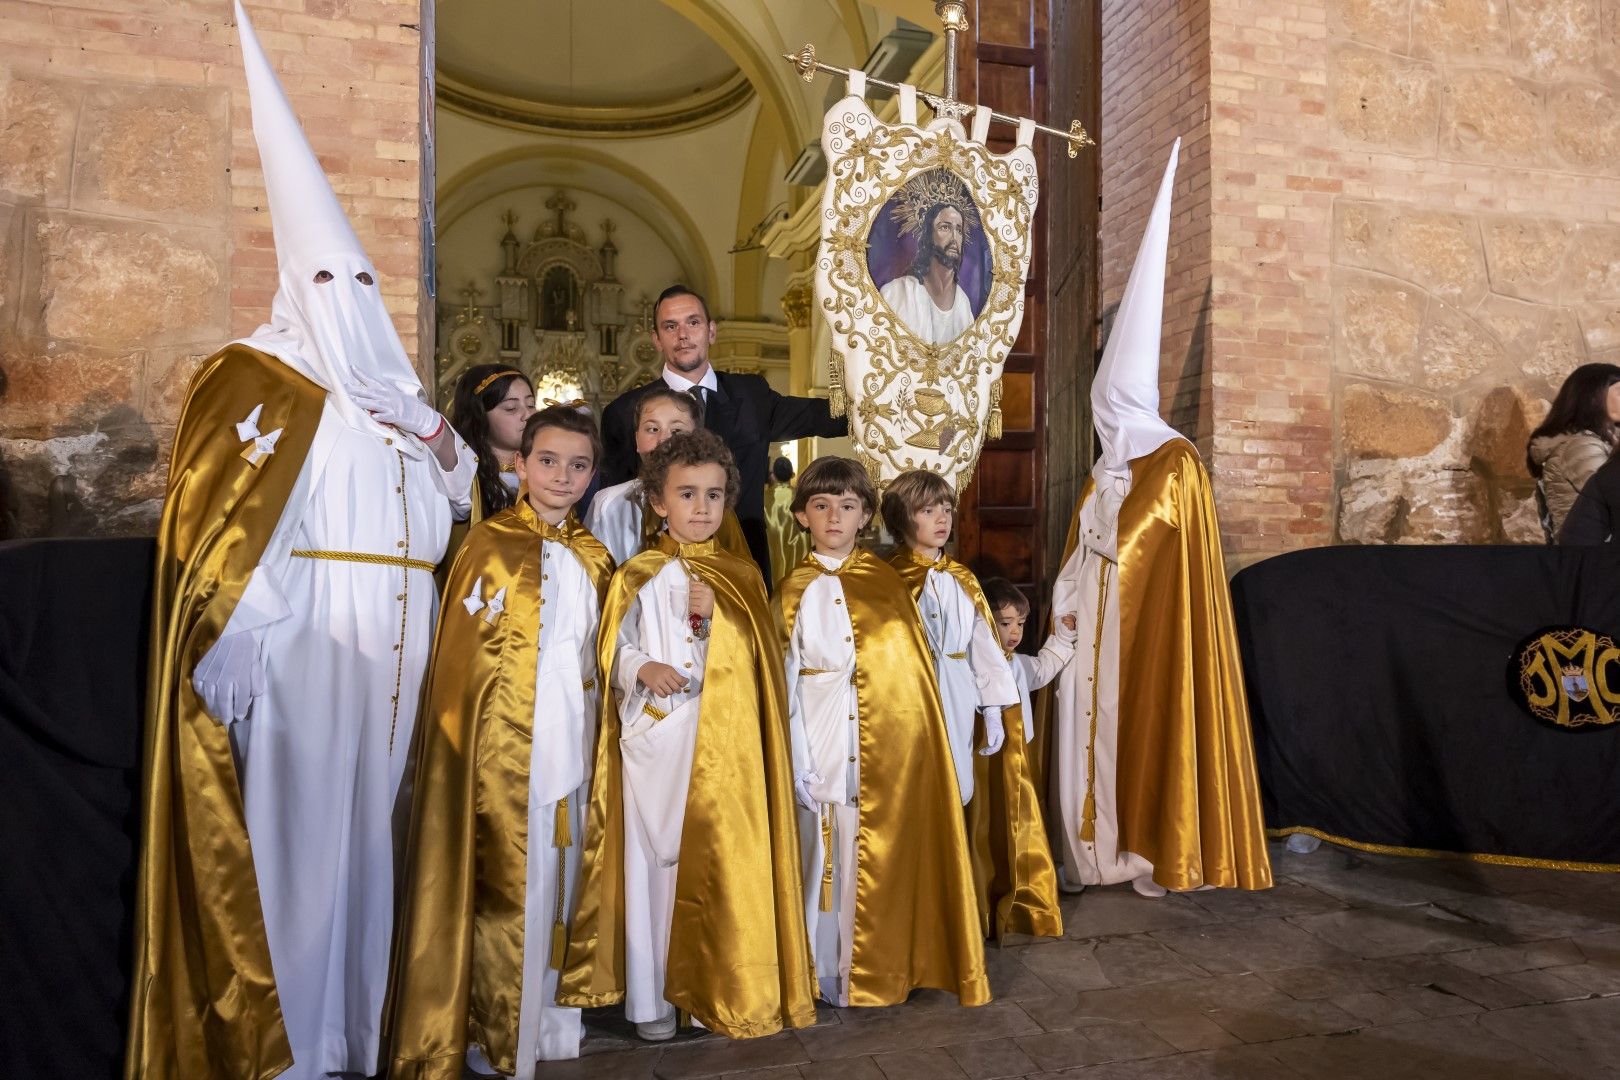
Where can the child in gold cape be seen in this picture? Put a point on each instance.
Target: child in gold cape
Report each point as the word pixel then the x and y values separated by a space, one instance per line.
pixel 872 766
pixel 691 897
pixel 1012 861
pixel 503 768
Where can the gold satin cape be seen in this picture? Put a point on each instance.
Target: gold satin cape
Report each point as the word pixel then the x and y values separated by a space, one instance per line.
pixel 1013 874
pixel 739 957
pixel 203 997
pixel 1187 791
pixel 916 920
pixel 458 955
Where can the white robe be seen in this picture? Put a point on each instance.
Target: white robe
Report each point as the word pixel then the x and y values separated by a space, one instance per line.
pixel 1030 673
pixel 824 721
pixel 973 672
pixel 1079 588
pixel 658 738
pixel 566 694
pixel 322 754
pixel 615 519
pixel 909 298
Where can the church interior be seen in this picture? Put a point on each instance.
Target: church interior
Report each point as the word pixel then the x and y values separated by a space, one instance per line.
pixel 1393 234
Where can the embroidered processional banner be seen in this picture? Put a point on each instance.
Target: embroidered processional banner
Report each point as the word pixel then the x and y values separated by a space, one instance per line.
pixel 925 247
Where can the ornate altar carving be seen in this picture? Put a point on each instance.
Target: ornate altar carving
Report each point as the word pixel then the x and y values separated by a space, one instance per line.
pixel 557 314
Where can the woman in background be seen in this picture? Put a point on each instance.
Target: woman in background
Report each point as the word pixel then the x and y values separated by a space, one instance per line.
pixel 1577 437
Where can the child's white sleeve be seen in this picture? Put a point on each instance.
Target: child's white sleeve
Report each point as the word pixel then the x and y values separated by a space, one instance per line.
pixel 798 738
pixel 629 656
pixel 991 671
pixel 1054 657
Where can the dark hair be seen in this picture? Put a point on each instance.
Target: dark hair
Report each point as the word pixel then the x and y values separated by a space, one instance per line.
pixel 469 415
pixel 1581 405
pixel 910 492
pixel 925 239
pixel 699 447
pixel 834 476
pixel 782 470
pixel 680 290
pixel 1000 593
pixel 564 418
pixel 660 391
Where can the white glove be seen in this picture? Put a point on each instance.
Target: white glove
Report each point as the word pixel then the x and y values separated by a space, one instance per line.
pixel 390 405
pixel 801 787
pixel 994 732
pixel 230 676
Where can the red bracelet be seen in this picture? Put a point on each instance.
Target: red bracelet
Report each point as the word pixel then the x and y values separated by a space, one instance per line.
pixel 436 431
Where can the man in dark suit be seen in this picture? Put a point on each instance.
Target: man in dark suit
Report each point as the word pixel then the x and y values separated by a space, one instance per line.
pixel 742 409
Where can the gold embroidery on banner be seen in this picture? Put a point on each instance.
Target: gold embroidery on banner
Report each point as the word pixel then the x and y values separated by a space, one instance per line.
pixel 915 394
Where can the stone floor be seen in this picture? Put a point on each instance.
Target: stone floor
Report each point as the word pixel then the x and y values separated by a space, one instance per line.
pixel 1353 966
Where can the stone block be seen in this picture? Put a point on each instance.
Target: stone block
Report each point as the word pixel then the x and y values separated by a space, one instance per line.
pixel 1460 29
pixel 1387 101
pixel 155 152
pixel 1377 22
pixel 1519 519
pixel 11 248
pixel 1379 422
pixel 1525 256
pixel 1516 324
pixel 1454 349
pixel 1449 507
pixel 1592 264
pixel 120 284
pixel 37 118
pixel 1559 349
pixel 1492 116
pixel 109 482
pixel 1584 125
pixel 1437 250
pixel 1554 38
pixel 1377 323
pixel 168 376
pixel 51 393
pixel 1499 429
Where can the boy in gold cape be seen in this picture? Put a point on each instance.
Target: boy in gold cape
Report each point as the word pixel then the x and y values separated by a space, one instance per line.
pixel 503 768
pixel 1012 861
pixel 691 894
pixel 872 767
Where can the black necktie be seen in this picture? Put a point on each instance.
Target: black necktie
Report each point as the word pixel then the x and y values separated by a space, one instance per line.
pixel 701 395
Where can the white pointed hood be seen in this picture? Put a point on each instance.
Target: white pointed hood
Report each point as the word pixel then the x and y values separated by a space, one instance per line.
pixel 328 330
pixel 1125 393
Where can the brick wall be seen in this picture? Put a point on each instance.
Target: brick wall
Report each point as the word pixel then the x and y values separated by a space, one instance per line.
pixel 1404 214
pixel 134 238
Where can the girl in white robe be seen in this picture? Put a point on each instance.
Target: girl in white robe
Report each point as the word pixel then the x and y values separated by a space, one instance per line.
pixel 615 515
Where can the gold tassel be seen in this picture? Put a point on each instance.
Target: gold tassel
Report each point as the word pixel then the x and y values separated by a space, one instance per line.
pixel 562 838
pixel 562 834
pixel 837 403
pixel 827 862
pixel 1088 813
pixel 993 426
pixel 1088 819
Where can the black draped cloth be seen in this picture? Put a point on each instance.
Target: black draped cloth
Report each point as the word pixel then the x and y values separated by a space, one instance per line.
pixel 73 618
pixel 1379 691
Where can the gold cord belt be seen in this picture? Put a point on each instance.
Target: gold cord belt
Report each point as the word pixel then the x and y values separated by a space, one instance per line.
pixel 956 656
pixel 367 558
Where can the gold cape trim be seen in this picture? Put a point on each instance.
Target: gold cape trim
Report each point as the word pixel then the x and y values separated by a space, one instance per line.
pixel 1522 861
pixel 203 998
pixel 458 953
pixel 916 921
pixel 1014 877
pixel 739 958
pixel 1189 796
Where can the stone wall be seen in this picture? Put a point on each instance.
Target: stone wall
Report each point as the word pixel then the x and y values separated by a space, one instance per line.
pixel 1413 244
pixel 134 238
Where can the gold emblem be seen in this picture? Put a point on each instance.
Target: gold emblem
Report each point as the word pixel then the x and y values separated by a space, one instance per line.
pixel 1569 677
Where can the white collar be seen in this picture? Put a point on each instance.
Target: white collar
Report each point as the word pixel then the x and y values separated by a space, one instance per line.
pixel 676 381
pixel 828 561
